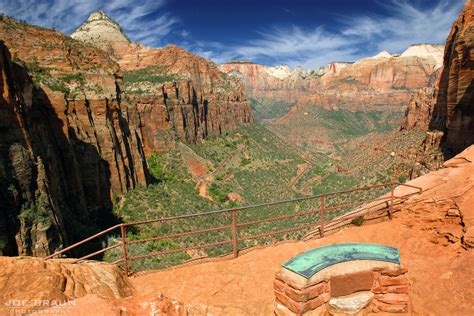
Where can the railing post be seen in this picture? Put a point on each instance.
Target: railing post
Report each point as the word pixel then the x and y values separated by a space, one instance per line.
pixel 390 209
pixel 234 233
pixel 124 247
pixel 321 228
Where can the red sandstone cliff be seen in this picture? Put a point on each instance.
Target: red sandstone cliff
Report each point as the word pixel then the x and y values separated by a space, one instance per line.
pixel 70 139
pixel 263 82
pixel 454 109
pixel 449 106
pixel 420 110
pixel 81 125
pixel 193 100
pixel 179 95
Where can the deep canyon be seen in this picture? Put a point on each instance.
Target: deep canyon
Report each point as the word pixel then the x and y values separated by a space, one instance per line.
pixel 98 130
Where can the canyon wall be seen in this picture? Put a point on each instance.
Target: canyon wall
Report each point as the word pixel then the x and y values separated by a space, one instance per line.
pixel 79 118
pixel 276 83
pixel 180 96
pixel 189 100
pixel 70 140
pixel 378 83
pixel 453 111
pixel 449 107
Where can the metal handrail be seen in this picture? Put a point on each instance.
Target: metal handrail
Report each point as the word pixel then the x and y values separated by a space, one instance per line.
pixel 235 226
pixel 82 242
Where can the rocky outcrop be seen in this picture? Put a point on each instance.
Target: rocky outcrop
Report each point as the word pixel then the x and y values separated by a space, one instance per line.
pixel 454 109
pixel 429 51
pixel 35 286
pixel 180 96
pixel 420 110
pixel 453 186
pixel 446 110
pixel 58 281
pixel 70 140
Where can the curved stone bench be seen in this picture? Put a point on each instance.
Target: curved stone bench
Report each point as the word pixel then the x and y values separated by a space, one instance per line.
pixel 342 278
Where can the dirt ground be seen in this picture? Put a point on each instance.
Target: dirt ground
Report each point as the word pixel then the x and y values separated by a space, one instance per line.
pixel 441 273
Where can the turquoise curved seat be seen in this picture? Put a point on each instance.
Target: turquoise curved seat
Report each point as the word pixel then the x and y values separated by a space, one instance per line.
pixel 310 262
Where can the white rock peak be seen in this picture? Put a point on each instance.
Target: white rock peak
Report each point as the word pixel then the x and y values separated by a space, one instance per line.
pixel 382 54
pixel 101 30
pixel 435 52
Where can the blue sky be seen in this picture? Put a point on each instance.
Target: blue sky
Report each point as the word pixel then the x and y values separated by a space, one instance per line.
pixel 309 33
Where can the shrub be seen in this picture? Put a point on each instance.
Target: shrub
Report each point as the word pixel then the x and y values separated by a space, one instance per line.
pixel 150 74
pixel 58 86
pixel 358 221
pixel 156 167
pixel 219 192
pixel 402 179
pixel 245 161
pixel 35 212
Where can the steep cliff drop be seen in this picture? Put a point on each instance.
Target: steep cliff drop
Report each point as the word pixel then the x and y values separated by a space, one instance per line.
pixel 180 96
pixel 98 110
pixel 448 108
pixel 454 109
pixel 72 141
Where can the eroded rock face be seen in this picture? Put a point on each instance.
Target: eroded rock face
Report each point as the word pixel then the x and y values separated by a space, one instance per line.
pixel 60 280
pixel 192 101
pixel 70 140
pixel 180 96
pixel 450 192
pixel 454 108
pixel 420 110
pixel 263 82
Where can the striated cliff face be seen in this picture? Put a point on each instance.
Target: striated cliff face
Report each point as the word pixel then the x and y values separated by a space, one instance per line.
pixel 179 95
pixel 370 84
pixel 276 83
pixel 186 97
pixel 446 111
pixel 449 107
pixel 70 140
pixel 420 110
pixel 454 109
pixel 178 110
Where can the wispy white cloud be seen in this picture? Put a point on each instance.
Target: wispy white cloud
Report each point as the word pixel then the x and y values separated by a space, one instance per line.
pixel 145 21
pixel 406 25
pixel 359 36
pixel 295 46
